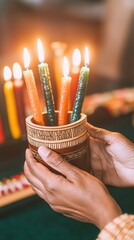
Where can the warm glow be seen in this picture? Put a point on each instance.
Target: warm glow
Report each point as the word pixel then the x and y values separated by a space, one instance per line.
pixel 87 56
pixel 76 57
pixel 40 51
pixel 7 73
pixel 26 58
pixel 65 67
pixel 17 72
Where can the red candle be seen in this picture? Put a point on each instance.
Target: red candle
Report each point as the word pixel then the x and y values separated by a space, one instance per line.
pixel 32 91
pixel 76 60
pixel 2 134
pixel 64 94
pixel 19 91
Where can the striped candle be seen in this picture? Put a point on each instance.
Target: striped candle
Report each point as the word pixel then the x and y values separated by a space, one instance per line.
pixel 46 85
pixel 82 85
pixel 32 90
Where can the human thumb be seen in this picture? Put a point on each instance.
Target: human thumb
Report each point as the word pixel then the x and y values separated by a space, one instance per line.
pixel 100 133
pixel 55 161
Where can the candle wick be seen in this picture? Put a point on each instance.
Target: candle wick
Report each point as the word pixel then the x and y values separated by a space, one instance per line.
pixel 86 64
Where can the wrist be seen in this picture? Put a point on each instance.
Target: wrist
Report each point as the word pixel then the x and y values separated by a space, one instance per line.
pixel 109 211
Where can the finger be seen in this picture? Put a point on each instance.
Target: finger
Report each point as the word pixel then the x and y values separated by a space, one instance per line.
pixel 39 193
pixel 56 162
pixel 42 173
pixel 100 133
pixel 34 181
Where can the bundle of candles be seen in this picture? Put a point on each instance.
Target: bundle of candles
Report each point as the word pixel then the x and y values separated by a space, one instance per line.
pixel 67 86
pixel 12 107
pixel 72 91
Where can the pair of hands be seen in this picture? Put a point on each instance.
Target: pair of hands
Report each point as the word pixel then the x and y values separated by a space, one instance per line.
pixel 76 193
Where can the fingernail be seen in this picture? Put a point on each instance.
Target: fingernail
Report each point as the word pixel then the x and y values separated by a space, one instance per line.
pixel 43 151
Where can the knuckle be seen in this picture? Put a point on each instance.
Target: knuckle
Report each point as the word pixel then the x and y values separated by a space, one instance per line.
pixel 75 175
pixel 49 187
pixel 56 208
pixel 55 161
pixel 33 167
pixel 26 170
pixel 52 185
pixel 117 134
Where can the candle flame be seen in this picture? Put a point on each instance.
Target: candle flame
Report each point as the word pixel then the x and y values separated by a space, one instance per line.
pixel 65 67
pixel 17 72
pixel 76 57
pixel 26 58
pixel 40 51
pixel 7 73
pixel 86 56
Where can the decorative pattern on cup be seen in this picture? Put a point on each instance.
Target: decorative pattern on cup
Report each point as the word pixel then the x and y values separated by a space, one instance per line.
pixel 78 153
pixel 57 137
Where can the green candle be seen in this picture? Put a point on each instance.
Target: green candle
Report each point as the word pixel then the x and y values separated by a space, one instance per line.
pixel 46 85
pixel 81 90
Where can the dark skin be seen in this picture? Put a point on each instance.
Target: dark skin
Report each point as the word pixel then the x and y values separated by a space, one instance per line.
pixel 76 193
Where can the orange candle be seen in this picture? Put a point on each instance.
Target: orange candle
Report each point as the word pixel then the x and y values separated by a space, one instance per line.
pixel 32 90
pixel 19 91
pixel 11 104
pixel 2 134
pixel 76 60
pixel 64 95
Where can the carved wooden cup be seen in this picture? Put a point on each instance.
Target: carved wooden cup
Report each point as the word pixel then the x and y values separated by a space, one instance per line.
pixel 70 140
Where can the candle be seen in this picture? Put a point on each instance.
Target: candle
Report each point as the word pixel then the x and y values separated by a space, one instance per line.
pixel 46 85
pixel 3 112
pixel 32 90
pixel 76 60
pixel 2 134
pixel 19 90
pixel 82 85
pixel 64 95
pixel 59 49
pixel 11 104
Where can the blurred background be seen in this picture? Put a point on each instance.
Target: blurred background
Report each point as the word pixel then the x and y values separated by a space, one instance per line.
pixel 105 26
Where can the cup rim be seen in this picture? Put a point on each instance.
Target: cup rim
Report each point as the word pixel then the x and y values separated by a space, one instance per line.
pixel 30 123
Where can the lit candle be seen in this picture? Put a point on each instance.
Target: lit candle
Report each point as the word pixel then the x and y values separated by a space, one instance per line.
pixel 2 134
pixel 11 104
pixel 32 90
pixel 64 95
pixel 76 60
pixel 46 85
pixel 19 90
pixel 82 85
pixel 59 49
